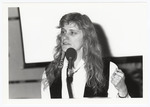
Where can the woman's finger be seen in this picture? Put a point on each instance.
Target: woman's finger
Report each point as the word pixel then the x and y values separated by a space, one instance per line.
pixel 117 76
pixel 119 73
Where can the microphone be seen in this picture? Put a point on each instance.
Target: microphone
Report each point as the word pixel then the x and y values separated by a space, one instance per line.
pixel 71 56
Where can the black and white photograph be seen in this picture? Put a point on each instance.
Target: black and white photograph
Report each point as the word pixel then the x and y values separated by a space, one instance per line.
pixel 77 51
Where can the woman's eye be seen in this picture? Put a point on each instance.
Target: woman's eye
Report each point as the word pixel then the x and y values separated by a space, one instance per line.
pixel 62 32
pixel 73 33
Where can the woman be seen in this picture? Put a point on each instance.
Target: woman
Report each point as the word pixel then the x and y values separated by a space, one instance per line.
pixel 78 32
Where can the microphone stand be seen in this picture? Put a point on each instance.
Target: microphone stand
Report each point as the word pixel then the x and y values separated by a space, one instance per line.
pixel 70 77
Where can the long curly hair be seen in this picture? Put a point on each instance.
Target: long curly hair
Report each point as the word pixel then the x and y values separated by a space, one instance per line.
pixel 92 53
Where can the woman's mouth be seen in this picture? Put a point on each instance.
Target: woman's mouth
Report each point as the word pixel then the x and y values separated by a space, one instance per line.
pixel 65 43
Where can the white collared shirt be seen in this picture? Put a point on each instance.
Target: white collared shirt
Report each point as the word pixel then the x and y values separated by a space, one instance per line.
pixel 78 83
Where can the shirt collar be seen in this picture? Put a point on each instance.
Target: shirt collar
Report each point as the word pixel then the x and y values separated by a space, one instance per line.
pixel 80 64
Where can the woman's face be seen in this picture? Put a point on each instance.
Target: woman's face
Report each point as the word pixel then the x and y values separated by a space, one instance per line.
pixel 71 37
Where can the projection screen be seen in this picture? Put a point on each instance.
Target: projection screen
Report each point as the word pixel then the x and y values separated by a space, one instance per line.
pixel 124 24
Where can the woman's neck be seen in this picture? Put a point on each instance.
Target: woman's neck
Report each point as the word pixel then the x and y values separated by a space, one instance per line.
pixel 79 57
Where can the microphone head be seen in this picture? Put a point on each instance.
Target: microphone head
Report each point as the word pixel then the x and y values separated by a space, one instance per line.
pixel 71 54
